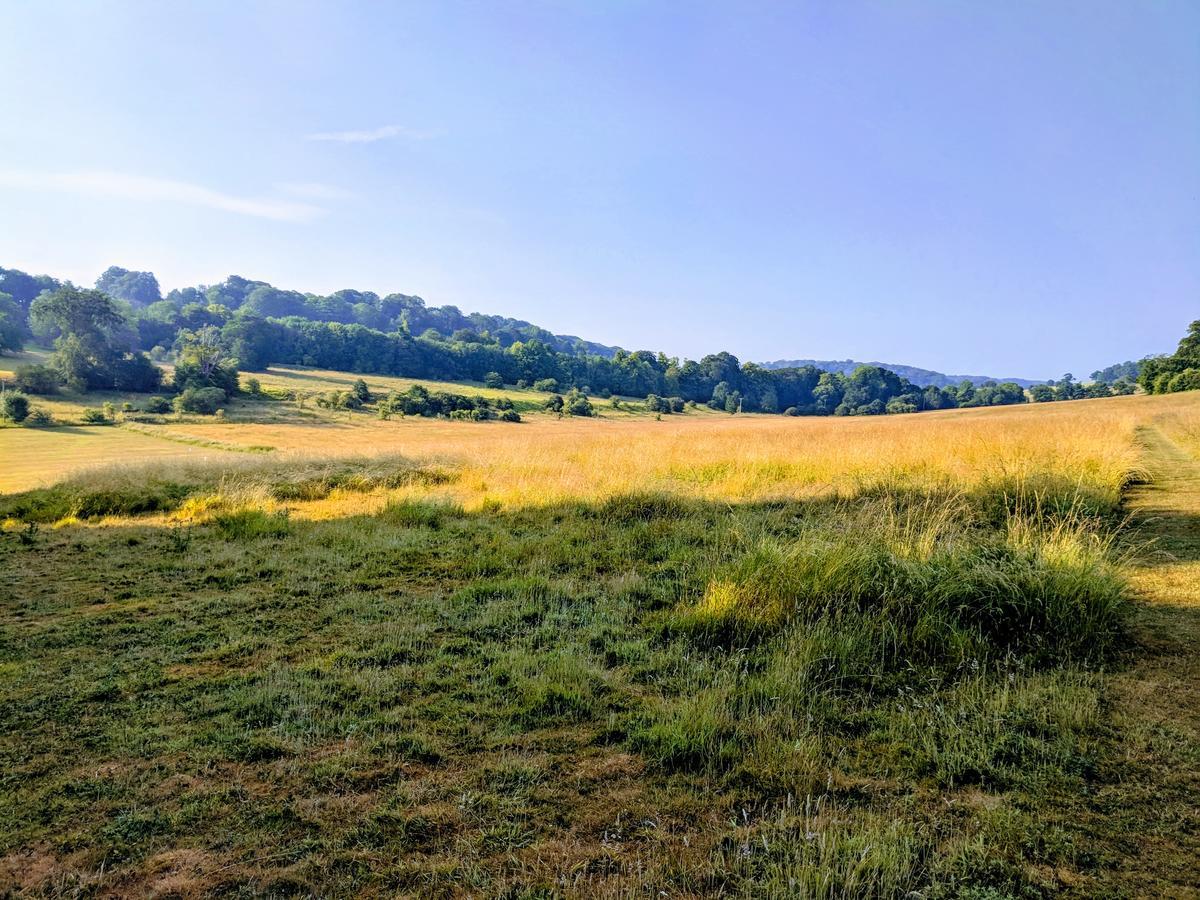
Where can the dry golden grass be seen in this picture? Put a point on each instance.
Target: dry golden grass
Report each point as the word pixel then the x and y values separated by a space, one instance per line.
pixel 716 457
pixel 739 458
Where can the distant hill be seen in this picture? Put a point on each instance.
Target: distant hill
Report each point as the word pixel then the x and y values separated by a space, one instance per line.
pixel 922 377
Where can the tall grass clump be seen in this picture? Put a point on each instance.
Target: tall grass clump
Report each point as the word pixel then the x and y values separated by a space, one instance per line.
pixel 935 586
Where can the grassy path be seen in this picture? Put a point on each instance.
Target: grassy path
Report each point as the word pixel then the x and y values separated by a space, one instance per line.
pixel 1148 814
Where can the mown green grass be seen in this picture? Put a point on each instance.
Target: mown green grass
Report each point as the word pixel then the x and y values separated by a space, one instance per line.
pixel 549 700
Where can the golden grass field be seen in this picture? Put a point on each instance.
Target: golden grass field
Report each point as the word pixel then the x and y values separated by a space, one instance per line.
pixel 700 453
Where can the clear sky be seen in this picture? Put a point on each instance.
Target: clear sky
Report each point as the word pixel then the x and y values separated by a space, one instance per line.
pixel 1005 188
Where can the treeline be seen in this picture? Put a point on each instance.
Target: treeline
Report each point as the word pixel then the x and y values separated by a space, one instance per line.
pixel 1178 372
pixel 251 325
pixel 1067 388
pixel 718 379
pixel 258 299
pixel 1127 371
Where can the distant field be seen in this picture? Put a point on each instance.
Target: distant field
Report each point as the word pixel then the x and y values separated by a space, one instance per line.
pixel 33 457
pixel 924 655
pixel 704 452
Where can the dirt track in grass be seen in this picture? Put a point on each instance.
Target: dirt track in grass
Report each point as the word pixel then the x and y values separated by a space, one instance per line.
pixel 1149 812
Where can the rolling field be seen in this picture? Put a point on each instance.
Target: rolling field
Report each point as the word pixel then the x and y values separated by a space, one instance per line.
pixel 938 655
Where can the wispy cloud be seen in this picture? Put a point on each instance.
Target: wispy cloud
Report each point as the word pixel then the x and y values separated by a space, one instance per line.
pixel 140 187
pixel 370 135
pixel 313 190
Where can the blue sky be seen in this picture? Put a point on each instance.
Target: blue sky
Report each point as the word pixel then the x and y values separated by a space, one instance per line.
pixel 1005 188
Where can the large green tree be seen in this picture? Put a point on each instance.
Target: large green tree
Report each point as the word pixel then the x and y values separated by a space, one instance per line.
pixel 136 288
pixel 203 362
pixel 92 341
pixel 12 324
pixel 1178 372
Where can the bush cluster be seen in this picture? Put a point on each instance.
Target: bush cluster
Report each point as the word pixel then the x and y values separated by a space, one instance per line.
pixel 575 403
pixel 14 406
pixel 204 400
pixel 657 404
pixel 420 401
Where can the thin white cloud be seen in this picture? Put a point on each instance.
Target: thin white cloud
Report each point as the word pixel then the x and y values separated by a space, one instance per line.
pixel 313 190
pixel 140 187
pixel 370 135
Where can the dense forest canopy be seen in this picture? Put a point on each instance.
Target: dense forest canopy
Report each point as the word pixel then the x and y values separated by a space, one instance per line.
pixel 1128 371
pixel 1178 372
pixel 918 376
pixel 213 330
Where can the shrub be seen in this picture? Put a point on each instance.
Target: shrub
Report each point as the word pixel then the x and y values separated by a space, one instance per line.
pixel 360 392
pixel 158 405
pixel 36 380
pixel 554 403
pixel 191 374
pixel 1187 380
pixel 14 406
pixel 510 415
pixel 546 384
pixel 577 404
pixel 205 400
pixel 418 401
pixel 39 417
pixel 253 387
pixel 493 380
pixel 136 372
pixel 94 417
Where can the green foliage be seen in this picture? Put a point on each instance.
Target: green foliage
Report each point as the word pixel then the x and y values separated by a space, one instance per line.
pixel 39 417
pixel 93 416
pixel 157 405
pixel 1169 374
pixel 92 342
pixel 655 403
pixel 419 401
pixel 1126 371
pixel 203 400
pixel 203 362
pixel 36 380
pixel 398 335
pixel 577 404
pixel 14 406
pixel 13 330
pixel 361 392
pixel 137 288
